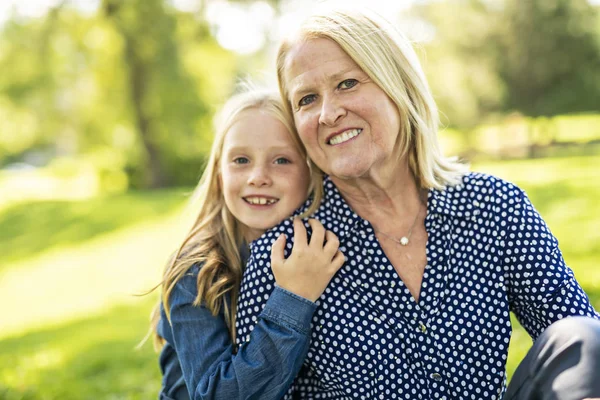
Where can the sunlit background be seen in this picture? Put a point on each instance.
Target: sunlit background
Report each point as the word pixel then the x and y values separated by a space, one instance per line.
pixel 105 122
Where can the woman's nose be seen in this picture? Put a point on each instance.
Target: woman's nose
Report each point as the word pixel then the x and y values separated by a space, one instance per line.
pixel 259 176
pixel 331 112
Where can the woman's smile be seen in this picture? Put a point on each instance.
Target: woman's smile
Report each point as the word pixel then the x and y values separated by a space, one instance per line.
pixel 337 106
pixel 344 136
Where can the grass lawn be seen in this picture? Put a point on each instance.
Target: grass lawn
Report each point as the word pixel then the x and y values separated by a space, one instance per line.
pixel 69 273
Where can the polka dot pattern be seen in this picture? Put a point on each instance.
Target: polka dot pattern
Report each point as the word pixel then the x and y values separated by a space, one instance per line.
pixel 488 253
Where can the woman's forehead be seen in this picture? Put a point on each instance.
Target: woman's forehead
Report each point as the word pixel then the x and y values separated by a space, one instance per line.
pixel 313 60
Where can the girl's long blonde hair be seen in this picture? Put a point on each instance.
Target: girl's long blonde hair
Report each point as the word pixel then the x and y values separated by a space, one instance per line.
pixel 216 236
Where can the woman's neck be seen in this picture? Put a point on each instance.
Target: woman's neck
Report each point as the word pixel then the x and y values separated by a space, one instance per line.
pixel 382 197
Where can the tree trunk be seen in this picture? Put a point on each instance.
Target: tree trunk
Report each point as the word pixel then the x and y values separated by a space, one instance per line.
pixel 154 176
pixel 137 73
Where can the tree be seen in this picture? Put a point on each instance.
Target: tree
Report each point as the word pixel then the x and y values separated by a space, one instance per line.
pixel 460 59
pixel 550 56
pixel 163 104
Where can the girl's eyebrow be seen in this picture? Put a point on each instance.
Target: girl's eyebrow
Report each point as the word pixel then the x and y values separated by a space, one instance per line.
pixel 238 149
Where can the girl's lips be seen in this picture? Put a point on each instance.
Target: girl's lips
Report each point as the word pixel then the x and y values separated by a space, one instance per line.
pixel 260 200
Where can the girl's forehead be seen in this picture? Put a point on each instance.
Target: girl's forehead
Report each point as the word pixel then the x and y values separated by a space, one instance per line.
pixel 259 130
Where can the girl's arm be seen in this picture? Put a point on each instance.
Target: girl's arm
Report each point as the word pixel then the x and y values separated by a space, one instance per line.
pixel 266 365
pixel 263 368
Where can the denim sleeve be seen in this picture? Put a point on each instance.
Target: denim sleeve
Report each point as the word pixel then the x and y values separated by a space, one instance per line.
pixel 262 368
pixel 542 288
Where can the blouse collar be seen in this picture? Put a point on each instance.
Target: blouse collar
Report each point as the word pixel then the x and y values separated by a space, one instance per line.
pixel 453 201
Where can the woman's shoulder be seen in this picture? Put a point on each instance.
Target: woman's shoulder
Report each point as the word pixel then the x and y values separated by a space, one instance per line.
pixel 261 247
pixel 474 180
pixel 478 192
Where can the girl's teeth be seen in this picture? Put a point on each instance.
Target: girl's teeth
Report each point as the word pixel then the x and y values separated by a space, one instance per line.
pixel 343 137
pixel 260 200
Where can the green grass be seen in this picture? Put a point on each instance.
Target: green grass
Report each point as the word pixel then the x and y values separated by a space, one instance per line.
pixel 70 317
pixel 31 228
pixel 90 358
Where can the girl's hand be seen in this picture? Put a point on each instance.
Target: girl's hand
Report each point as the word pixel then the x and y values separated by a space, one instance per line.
pixel 310 267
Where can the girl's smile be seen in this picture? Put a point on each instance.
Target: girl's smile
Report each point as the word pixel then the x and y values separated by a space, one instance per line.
pixel 263 175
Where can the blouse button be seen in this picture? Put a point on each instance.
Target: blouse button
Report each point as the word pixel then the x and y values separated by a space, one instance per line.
pixel 422 327
pixel 436 377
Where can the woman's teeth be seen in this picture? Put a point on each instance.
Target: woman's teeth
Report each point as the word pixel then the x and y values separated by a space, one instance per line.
pixel 260 200
pixel 345 136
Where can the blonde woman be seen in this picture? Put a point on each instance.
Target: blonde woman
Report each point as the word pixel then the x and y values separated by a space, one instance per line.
pixel 437 257
pixel 257 175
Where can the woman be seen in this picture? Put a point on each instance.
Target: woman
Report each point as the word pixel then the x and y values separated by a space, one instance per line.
pixel 436 257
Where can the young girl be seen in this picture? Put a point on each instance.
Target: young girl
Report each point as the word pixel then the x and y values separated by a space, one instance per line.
pixel 256 176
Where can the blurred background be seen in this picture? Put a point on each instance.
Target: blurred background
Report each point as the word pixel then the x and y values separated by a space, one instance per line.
pixel 105 123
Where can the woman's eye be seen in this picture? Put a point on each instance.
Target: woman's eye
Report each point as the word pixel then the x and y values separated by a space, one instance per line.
pixel 306 100
pixel 282 160
pixel 347 84
pixel 241 160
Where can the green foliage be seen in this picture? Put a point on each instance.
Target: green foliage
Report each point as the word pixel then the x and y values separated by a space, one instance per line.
pixel 143 79
pixel 550 56
pixel 537 58
pixel 460 60
pixel 137 77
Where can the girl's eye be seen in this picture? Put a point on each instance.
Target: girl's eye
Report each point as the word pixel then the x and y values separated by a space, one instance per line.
pixel 282 160
pixel 347 84
pixel 306 100
pixel 241 160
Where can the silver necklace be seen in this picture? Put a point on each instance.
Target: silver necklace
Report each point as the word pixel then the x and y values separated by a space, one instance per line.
pixel 404 240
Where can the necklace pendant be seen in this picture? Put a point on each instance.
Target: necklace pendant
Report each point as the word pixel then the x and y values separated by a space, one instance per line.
pixel 404 241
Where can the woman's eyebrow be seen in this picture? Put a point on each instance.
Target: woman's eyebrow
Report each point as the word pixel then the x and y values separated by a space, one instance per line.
pixel 299 89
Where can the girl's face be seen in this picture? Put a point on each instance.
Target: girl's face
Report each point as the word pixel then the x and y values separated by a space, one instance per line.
pixel 263 176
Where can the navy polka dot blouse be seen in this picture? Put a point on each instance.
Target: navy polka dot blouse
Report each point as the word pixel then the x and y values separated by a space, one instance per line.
pixel 488 253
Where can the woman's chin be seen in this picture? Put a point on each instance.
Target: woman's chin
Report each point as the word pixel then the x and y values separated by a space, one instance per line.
pixel 349 170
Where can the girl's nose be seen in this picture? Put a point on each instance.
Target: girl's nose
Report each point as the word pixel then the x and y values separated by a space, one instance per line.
pixel 259 177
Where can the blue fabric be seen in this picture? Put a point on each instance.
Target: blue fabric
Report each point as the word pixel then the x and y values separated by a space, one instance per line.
pixel 488 253
pixel 197 361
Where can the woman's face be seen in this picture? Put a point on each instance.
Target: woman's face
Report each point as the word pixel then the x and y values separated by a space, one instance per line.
pixel 348 124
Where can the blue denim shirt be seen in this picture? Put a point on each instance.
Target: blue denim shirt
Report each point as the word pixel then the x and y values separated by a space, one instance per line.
pixel 198 359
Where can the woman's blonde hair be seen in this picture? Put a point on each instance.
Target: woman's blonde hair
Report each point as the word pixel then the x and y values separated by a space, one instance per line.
pixel 389 59
pixel 216 236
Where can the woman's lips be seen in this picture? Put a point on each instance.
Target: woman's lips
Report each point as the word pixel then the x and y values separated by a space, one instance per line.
pixel 344 136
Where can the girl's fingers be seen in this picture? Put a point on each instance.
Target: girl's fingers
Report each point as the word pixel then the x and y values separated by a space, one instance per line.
pixel 332 243
pixel 338 260
pixel 277 251
pixel 318 234
pixel 299 233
